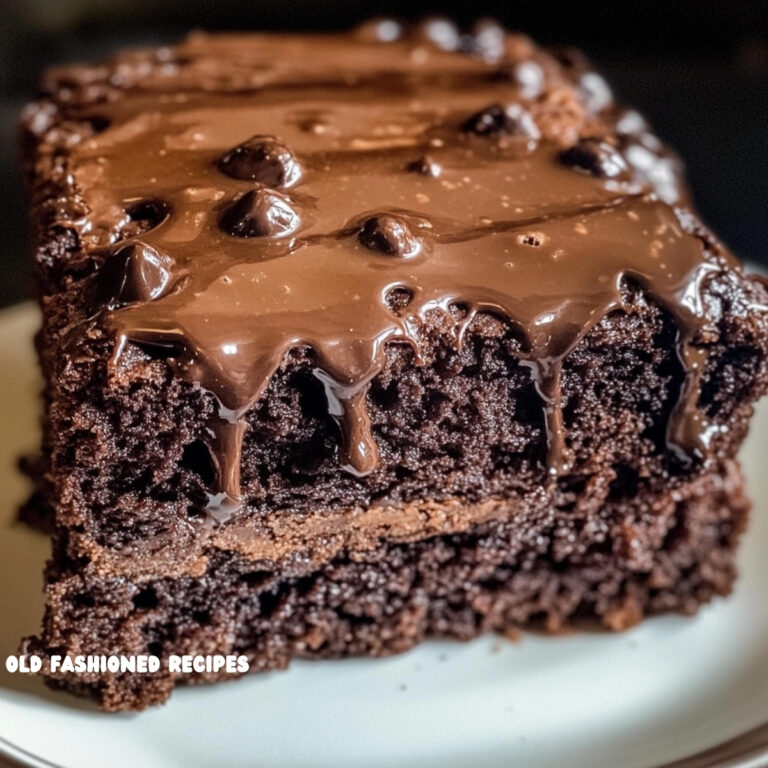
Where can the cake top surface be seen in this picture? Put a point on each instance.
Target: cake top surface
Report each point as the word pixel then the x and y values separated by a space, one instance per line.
pixel 245 194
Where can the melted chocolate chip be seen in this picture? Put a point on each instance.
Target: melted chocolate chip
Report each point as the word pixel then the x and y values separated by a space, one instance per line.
pixel 134 273
pixel 264 159
pixel 597 158
pixel 425 166
pixel 391 235
pixel 261 212
pixel 510 120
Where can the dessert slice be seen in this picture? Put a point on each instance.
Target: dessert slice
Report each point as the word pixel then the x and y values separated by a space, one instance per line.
pixel 352 340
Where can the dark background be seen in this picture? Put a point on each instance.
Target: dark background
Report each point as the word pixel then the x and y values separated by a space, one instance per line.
pixel 698 69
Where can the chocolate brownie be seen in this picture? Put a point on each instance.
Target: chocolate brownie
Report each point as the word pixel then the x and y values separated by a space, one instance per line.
pixel 353 340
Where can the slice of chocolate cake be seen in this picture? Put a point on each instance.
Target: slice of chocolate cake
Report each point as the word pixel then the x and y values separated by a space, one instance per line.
pixel 354 340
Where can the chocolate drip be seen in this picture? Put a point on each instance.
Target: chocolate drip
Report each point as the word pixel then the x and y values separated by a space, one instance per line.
pixel 358 450
pixel 690 432
pixel 520 235
pixel 227 451
pixel 547 377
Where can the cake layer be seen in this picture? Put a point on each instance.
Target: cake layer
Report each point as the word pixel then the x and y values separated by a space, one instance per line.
pixel 615 562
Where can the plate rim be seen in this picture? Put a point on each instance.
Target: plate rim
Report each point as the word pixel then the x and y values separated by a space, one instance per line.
pixel 18 756
pixel 745 750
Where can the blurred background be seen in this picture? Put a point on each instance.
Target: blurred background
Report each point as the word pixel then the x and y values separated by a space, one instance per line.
pixel 698 69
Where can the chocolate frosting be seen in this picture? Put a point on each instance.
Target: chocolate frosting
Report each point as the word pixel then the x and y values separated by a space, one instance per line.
pixel 299 181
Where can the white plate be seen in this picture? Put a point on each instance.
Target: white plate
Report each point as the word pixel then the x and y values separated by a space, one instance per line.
pixel 668 689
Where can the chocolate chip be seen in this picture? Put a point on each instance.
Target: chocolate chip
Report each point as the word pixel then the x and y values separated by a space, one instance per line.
pixel 425 166
pixel 261 212
pixel 264 159
pixel 597 158
pixel 391 235
pixel 137 272
pixel 510 120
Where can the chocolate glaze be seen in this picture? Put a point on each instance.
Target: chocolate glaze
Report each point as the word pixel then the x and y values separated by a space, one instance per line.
pixel 523 204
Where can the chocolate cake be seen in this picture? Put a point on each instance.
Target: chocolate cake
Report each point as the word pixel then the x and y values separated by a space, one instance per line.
pixel 354 340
